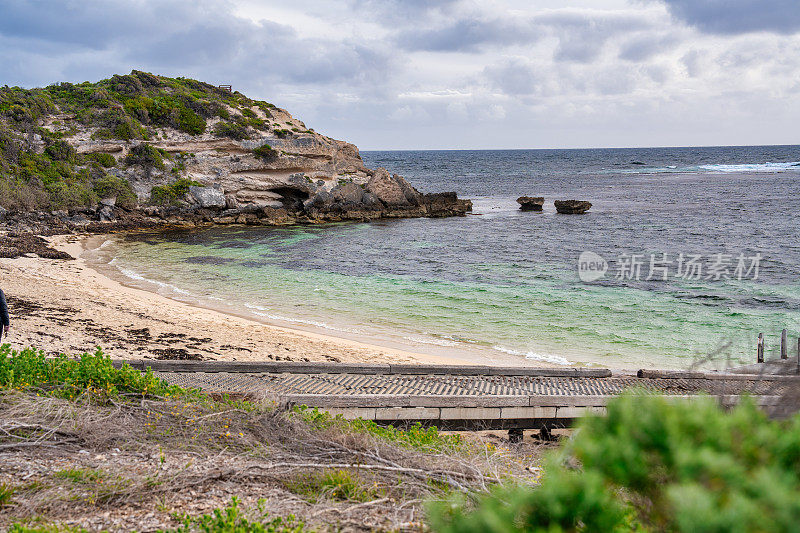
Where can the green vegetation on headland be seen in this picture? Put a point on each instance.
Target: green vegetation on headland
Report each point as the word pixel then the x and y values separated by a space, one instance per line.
pixel 40 169
pixel 648 465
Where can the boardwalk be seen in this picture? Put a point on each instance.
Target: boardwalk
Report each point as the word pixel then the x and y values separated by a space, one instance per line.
pixel 455 397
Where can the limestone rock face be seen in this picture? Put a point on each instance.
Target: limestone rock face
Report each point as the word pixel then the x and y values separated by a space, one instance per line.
pixel 303 177
pixel 208 197
pixel 348 194
pixel 530 203
pixel 387 189
pixel 572 207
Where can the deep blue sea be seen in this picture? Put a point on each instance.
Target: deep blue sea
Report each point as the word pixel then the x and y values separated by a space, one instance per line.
pixel 701 247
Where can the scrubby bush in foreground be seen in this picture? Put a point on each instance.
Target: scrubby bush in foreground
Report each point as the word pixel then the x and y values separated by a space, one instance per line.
pixel 90 374
pixel 654 465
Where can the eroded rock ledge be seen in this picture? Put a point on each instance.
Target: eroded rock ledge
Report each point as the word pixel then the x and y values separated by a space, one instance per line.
pixel 217 157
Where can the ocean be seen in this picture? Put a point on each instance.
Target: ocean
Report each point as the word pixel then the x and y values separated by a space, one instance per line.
pixel 685 256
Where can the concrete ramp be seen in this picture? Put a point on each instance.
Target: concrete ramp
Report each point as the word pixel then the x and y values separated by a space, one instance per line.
pixel 450 397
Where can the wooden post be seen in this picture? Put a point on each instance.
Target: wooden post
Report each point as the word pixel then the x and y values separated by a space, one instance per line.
pixel 760 357
pixel 798 355
pixel 784 345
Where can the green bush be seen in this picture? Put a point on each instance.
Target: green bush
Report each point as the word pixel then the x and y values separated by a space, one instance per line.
pixel 233 520
pixel 65 194
pixel 171 193
pixel 190 122
pixel 145 155
pixel 18 195
pixel 103 159
pixel 93 375
pixel 337 485
pixel 127 130
pixel 60 151
pixel 231 130
pixel 266 152
pixel 653 465
pixel 416 436
pixel 282 133
pixel 109 186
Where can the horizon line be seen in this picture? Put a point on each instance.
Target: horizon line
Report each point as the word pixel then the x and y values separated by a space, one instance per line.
pixel 575 148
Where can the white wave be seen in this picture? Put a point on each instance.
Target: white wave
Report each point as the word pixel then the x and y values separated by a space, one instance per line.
pixel 720 168
pixel 546 358
pixel 303 321
pixel 139 277
pixel 763 167
pixel 431 340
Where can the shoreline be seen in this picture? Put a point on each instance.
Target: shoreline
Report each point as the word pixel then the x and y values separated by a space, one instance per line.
pixel 69 306
pixel 395 350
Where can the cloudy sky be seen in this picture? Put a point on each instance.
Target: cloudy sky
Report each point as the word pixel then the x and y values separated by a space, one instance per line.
pixel 394 74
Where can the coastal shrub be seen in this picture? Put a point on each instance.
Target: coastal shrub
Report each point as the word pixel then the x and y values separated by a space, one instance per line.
pixel 91 375
pixel 60 151
pixel 653 465
pixel 9 147
pixel 282 133
pixel 44 528
pixel 171 193
pixel 416 436
pixel 266 152
pixel 65 194
pixel 231 130
pixel 105 160
pixel 190 122
pixel 109 186
pixel 146 156
pixel 6 493
pixel 126 130
pixel 18 195
pixel 232 519
pixel 337 485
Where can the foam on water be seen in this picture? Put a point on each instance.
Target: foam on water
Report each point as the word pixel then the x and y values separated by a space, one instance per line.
pixel 534 356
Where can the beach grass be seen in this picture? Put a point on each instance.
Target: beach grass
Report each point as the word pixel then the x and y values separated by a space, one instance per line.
pixel 134 442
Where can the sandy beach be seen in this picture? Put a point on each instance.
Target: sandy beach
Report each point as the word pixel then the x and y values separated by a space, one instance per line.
pixel 65 306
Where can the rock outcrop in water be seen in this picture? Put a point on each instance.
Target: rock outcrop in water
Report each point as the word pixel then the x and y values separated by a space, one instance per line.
pixel 530 203
pixel 572 207
pixel 172 151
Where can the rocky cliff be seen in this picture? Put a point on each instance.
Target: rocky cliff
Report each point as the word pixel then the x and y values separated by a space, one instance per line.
pixel 141 150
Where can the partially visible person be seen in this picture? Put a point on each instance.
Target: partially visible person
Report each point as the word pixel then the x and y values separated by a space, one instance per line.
pixel 5 323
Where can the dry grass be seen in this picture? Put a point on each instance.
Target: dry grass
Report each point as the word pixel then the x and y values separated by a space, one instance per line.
pixel 131 465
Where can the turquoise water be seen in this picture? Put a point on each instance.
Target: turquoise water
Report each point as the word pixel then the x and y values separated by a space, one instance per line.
pixel 504 284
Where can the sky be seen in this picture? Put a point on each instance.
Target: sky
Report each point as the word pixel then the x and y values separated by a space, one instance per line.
pixel 449 74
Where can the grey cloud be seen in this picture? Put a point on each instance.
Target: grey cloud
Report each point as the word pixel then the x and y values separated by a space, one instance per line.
pixel 201 38
pixel 516 77
pixel 468 35
pixel 404 12
pixel 582 35
pixel 643 47
pixel 738 16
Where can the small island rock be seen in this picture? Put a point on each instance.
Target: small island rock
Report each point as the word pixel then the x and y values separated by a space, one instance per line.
pixel 530 203
pixel 572 207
